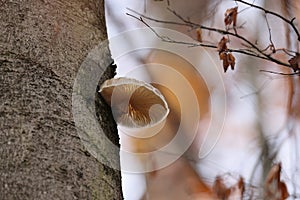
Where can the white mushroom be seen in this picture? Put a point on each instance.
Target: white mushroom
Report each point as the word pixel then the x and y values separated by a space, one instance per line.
pixel 138 108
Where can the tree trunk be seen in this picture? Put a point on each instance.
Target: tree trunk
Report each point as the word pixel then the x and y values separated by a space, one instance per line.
pixel 42 45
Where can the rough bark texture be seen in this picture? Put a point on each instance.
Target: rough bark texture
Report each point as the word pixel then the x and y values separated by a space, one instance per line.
pixel 42 45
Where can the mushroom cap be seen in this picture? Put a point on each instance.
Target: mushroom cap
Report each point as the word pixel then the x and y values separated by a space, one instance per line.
pixel 135 104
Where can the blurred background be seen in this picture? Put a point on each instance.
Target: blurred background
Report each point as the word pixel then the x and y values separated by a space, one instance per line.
pixel 248 119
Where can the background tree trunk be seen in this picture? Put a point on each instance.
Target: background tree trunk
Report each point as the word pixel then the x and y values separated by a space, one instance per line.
pixel 42 45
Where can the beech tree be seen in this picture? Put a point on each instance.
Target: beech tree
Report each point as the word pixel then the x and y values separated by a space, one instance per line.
pixel 42 46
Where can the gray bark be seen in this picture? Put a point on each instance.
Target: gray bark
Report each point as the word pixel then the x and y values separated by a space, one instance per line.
pixel 42 45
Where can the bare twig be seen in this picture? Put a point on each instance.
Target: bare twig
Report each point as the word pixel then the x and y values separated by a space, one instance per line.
pixel 290 22
pixel 190 44
pixel 167 39
pixel 280 73
pixel 190 24
pixel 272 46
pixel 225 32
pixel 244 8
pixel 157 20
pixel 287 51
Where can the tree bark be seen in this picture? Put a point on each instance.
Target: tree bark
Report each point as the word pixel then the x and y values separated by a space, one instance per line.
pixel 42 45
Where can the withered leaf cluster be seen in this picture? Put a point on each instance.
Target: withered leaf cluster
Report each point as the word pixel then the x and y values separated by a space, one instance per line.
pixel 274 187
pixel 294 62
pixel 228 59
pixel 224 192
pixel 225 56
pixel 231 16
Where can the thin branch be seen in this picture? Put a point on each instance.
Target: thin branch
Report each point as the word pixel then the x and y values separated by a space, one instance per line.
pixel 194 25
pixel 190 44
pixel 290 22
pixel 246 52
pixel 287 51
pixel 167 39
pixel 272 46
pixel 280 73
pixel 157 20
pixel 225 32
pixel 244 8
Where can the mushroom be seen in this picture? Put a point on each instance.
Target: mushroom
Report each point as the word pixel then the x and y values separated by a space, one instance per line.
pixel 139 109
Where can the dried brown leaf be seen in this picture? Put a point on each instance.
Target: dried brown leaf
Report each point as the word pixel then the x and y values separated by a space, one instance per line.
pixel 220 188
pixel 275 189
pixel 231 16
pixel 241 185
pixel 199 35
pixel 228 59
pixel 284 190
pixel 294 62
pixel 236 191
pixel 274 174
pixel 224 57
pixel 222 45
pixel 231 60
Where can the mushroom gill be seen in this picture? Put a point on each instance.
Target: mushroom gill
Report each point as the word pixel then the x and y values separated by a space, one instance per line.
pixel 134 103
